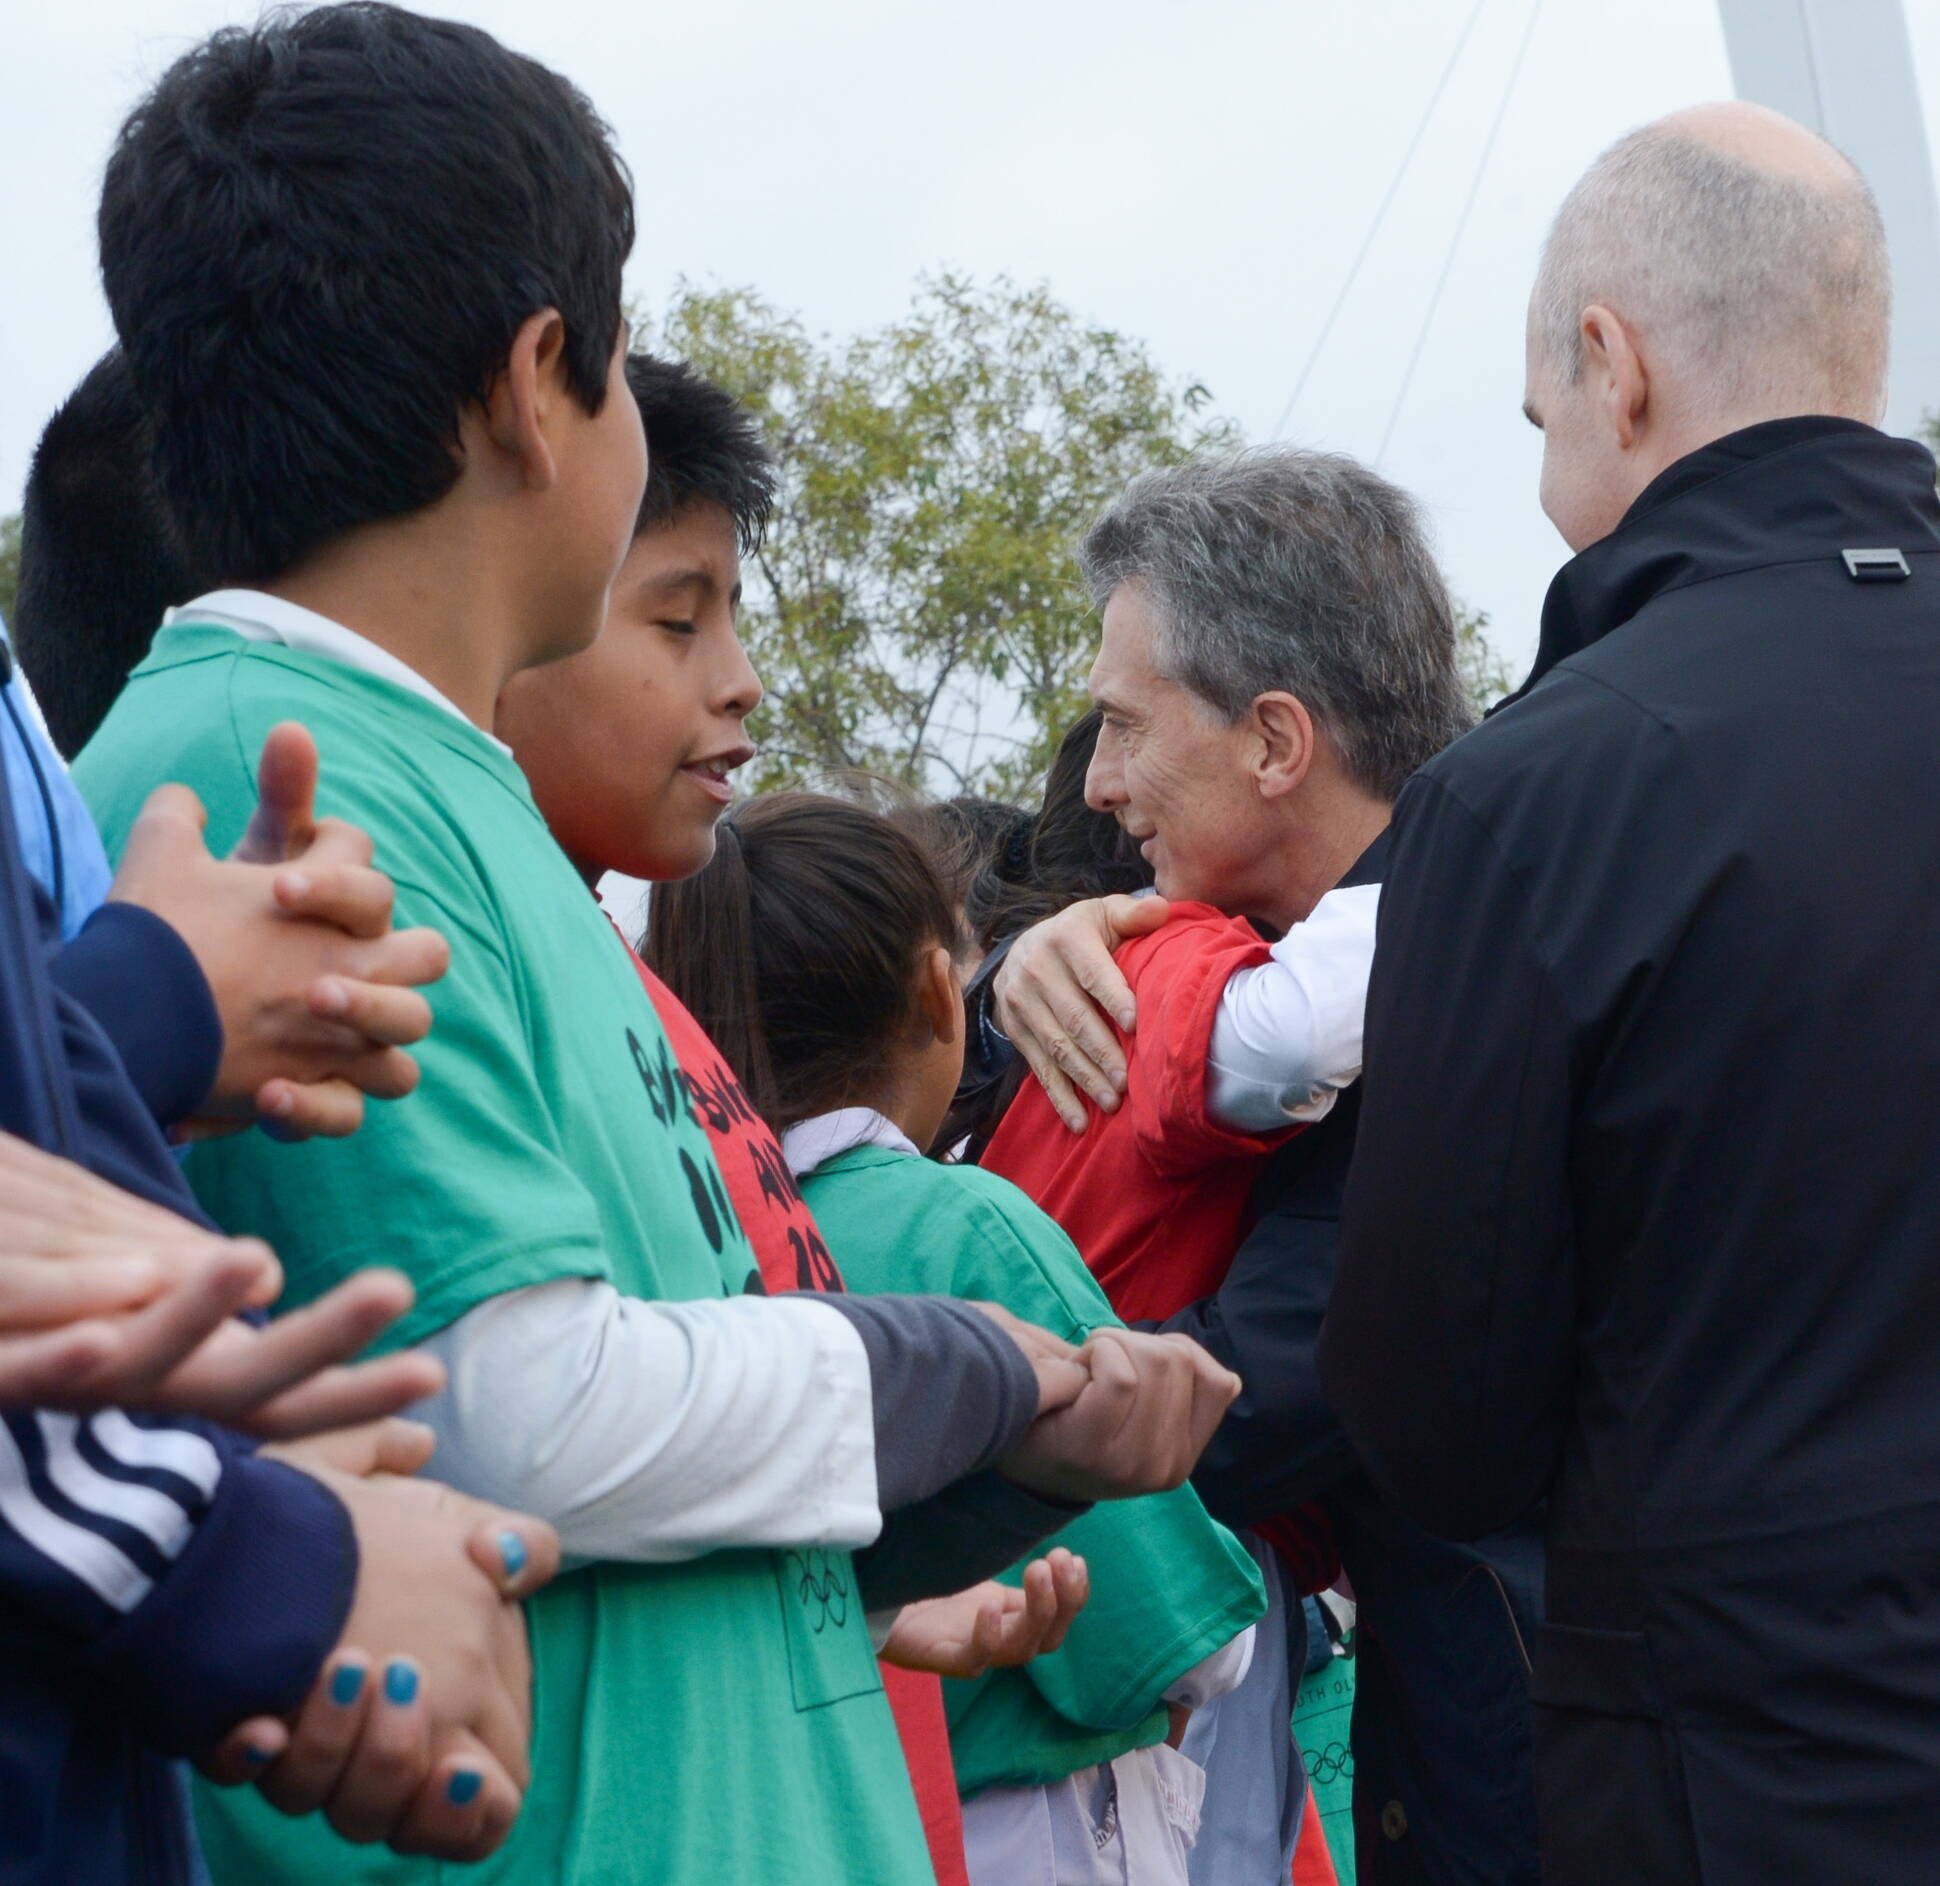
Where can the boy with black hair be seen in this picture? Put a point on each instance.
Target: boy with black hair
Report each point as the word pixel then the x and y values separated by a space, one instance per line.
pixel 366 271
pixel 630 769
pixel 98 562
pixel 646 803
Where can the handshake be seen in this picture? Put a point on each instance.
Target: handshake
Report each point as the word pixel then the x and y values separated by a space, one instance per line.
pixel 1122 1415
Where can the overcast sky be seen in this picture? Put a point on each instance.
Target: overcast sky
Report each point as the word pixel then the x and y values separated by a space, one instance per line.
pixel 1199 173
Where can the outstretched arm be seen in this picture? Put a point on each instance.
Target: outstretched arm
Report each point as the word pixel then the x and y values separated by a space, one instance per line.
pixel 677 1429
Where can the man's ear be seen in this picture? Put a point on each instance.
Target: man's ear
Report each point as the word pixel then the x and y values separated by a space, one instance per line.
pixel 1284 731
pixel 1617 372
pixel 524 395
pixel 939 996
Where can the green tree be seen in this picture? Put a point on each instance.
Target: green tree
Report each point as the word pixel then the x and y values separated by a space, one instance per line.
pixel 9 564
pixel 916 610
pixel 1485 669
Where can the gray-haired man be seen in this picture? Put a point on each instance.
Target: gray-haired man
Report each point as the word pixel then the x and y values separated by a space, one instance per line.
pixel 1277 657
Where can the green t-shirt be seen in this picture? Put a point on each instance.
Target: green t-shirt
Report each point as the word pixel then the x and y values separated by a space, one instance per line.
pixel 1168 1584
pixel 708 1724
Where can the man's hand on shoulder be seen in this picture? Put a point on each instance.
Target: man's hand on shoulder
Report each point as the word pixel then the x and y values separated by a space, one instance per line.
pixel 1058 994
pixel 318 995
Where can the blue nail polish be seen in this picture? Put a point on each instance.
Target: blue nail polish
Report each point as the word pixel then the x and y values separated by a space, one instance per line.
pixel 462 1789
pixel 511 1550
pixel 400 1683
pixel 345 1682
pixel 255 1756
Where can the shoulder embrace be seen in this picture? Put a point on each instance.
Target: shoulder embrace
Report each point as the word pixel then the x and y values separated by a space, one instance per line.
pixel 1192 929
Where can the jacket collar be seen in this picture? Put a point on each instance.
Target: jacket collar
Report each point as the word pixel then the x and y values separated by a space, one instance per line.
pixel 1371 866
pixel 1784 491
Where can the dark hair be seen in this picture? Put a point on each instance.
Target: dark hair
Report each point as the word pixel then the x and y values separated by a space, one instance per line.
pixel 1067 853
pixel 1070 853
pixel 702 446
pixel 98 560
pixel 319 237
pixel 966 839
pixel 796 947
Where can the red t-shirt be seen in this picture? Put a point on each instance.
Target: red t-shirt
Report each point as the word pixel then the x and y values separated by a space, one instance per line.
pixel 792 1256
pixel 1157 1195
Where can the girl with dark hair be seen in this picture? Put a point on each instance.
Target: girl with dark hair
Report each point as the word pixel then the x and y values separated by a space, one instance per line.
pixel 819 949
pixel 1049 859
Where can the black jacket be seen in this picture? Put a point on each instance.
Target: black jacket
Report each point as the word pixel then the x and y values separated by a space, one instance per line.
pixel 1442 1790
pixel 1645 1213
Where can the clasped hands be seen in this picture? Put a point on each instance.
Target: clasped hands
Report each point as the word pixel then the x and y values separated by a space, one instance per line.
pixel 1119 1415
pixel 318 995
pixel 1122 1414
pixel 415 1731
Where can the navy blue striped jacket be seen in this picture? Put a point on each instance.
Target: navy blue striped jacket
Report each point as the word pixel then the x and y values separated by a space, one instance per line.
pixel 157 1582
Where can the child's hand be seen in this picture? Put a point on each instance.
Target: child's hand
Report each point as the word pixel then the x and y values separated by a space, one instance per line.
pixel 317 993
pixel 992 1626
pixel 1061 1370
pixel 432 1755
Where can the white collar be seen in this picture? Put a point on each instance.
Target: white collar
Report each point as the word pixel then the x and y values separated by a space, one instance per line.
pixel 812 1143
pixel 257 616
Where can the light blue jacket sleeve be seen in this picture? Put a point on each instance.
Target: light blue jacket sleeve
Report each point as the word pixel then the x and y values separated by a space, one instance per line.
pixel 57 835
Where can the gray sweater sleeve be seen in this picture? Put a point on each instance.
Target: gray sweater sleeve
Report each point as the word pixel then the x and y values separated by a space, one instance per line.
pixel 952 1393
pixel 968 1532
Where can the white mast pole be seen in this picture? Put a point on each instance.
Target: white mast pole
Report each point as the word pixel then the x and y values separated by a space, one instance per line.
pixel 1844 68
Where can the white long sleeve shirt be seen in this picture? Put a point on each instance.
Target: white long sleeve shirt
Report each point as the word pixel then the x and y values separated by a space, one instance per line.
pixel 1287 1038
pixel 661 1431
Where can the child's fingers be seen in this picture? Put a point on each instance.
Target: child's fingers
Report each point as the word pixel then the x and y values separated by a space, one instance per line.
pixel 42 1293
pixel 1072 1579
pixel 296 1110
pixel 465 1808
pixel 391 1445
pixel 154 1341
pixel 989 1640
pixel 379 1011
pixel 244 1753
pixel 322 1737
pixel 1040 1596
pixel 392 1757
pixel 516 1552
pixel 1074 1583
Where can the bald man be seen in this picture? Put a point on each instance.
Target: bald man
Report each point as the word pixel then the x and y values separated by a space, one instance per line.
pixel 1644 1219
